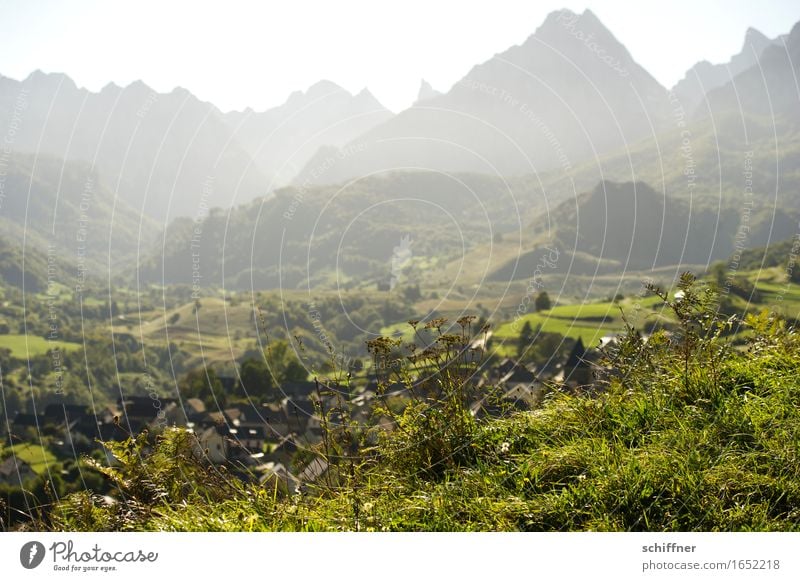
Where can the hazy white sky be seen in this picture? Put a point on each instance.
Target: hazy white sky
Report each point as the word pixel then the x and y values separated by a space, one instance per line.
pixel 237 54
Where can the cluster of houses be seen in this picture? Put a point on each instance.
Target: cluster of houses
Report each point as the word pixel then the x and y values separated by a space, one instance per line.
pixel 521 387
pixel 255 439
pixel 261 440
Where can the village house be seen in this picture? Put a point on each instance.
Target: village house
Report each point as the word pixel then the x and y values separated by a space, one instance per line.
pixel 22 423
pixel 274 416
pixel 275 476
pixel 517 375
pixel 283 451
pixel 314 471
pixel 212 445
pixel 140 411
pixel 60 414
pixel 230 416
pixel 299 413
pixel 187 412
pixel 297 390
pixel 249 437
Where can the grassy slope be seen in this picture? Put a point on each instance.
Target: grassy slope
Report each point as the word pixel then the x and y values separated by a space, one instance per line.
pixel 656 460
pixel 657 451
pixel 208 335
pixel 593 320
pixel 38 457
pixel 588 321
pixel 22 346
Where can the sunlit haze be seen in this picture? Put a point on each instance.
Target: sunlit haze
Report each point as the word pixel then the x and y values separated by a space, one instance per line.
pixel 254 54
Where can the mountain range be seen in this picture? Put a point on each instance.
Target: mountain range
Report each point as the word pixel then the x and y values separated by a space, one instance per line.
pixel 322 189
pixel 281 140
pixel 569 93
pixel 170 154
pixel 705 77
pixel 63 210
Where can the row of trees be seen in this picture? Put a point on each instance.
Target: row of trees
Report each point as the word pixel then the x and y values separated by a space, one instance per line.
pixel 261 376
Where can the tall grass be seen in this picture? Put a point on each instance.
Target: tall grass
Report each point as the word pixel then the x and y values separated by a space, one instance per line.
pixel 683 432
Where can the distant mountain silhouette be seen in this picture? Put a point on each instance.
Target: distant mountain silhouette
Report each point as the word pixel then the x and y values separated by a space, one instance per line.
pixel 426 92
pixel 504 150
pixel 170 154
pixel 315 235
pixel 64 208
pixel 769 88
pixel 568 93
pixel 629 226
pixel 704 76
pixel 281 140
pixel 157 151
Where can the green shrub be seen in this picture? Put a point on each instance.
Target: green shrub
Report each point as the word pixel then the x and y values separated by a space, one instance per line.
pixel 687 431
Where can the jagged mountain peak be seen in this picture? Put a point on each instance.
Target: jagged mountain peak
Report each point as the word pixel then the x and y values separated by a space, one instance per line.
pixel 754 35
pixel 495 118
pixel 556 23
pixel 366 99
pixel 426 91
pixel 111 87
pixel 582 40
pixel 704 76
pixel 319 90
pixel 41 78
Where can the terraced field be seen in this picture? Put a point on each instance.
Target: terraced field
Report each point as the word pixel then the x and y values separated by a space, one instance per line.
pixel 592 321
pixel 23 346
pixel 589 322
pixel 39 458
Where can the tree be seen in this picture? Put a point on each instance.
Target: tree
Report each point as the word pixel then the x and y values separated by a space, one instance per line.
pixel 546 348
pixel 525 338
pixel 283 363
pixel 295 371
pixel 204 384
pixel 412 293
pixel 542 302
pixel 256 378
pixel 719 273
pixel 794 272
